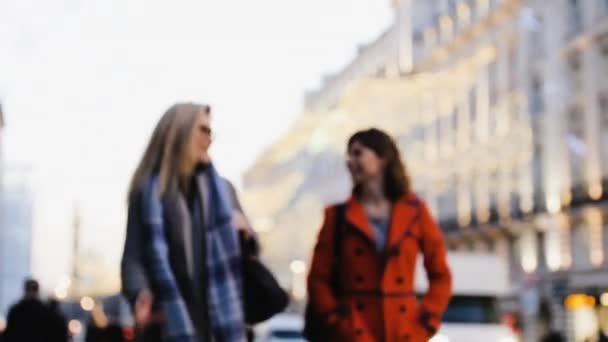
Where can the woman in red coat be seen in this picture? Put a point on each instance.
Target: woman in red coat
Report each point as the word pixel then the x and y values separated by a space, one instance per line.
pixel 362 287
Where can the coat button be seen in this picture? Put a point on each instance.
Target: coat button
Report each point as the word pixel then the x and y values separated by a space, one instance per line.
pixel 359 332
pixel 360 306
pixel 358 251
pixel 403 309
pixel 399 280
pixel 359 279
pixel 395 252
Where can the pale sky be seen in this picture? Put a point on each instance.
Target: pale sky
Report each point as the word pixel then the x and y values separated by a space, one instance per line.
pixel 83 83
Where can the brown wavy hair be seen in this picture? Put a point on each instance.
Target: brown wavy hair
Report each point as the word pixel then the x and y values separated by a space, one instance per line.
pixel 396 179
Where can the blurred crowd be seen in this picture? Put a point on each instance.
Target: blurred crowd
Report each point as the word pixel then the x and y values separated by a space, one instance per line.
pixel 33 320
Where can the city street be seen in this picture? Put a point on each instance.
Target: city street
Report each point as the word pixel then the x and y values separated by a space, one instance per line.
pixel 111 211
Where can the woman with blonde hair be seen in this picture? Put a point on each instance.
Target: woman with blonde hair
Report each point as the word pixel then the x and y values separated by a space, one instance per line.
pixel 181 266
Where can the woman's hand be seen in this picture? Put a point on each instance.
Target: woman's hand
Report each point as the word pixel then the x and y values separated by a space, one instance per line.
pixel 143 308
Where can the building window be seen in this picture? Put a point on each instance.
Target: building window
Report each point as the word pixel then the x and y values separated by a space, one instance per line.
pixel 595 231
pixel 452 9
pixel 418 36
pixel 492 246
pixel 437 130
pixel 602 6
pixel 604 240
pixel 473 8
pixel 575 19
pixel 537 104
pixel 580 247
pixel 447 134
pixel 537 36
pixel 473 104
pixel 493 82
pixel 542 255
pixel 452 6
pixel 604 137
pixel 602 44
pixel 436 16
pixel 446 205
pixel 604 111
pixel 515 271
pixel 495 3
pixel 558 243
pixel 493 195
pixel 416 135
pixel 513 69
pixel 537 173
pixel 576 144
pixel 576 75
pixel 528 250
pixel 515 199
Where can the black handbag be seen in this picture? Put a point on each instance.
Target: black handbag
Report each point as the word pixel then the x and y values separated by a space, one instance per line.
pixel 264 297
pixel 315 329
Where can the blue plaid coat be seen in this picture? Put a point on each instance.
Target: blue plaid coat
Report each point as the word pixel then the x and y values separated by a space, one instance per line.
pixel 225 294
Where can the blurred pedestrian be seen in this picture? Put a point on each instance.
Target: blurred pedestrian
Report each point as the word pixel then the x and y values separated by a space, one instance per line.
pixel 57 322
pixel 554 336
pixel 101 328
pixel 29 319
pixel 181 262
pixel 109 333
pixel 602 336
pixel 361 281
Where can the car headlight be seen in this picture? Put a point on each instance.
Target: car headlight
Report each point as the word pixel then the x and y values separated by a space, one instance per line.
pixel 508 339
pixel 441 338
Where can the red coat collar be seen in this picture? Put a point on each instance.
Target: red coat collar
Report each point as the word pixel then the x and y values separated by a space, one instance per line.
pixel 405 212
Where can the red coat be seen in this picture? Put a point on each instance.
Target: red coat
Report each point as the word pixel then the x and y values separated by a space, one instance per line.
pixel 378 300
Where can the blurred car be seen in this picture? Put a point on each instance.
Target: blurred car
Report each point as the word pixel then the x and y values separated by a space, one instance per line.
pixel 480 281
pixel 286 327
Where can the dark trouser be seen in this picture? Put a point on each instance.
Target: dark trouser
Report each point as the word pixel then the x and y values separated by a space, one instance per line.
pixel 154 333
pixel 151 333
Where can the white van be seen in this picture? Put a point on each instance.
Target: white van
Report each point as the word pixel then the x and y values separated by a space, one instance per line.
pixel 480 280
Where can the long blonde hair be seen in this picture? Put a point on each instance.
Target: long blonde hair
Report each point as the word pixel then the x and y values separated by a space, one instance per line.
pixel 166 149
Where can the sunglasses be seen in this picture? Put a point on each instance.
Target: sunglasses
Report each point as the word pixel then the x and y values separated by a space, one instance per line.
pixel 206 130
pixel 356 152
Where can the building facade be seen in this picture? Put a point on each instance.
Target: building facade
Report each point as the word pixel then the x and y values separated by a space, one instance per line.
pixel 16 223
pixel 1 144
pixel 501 110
